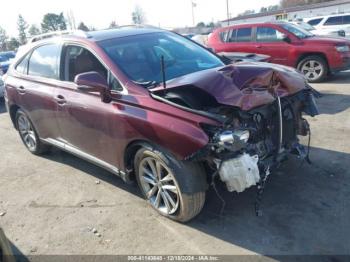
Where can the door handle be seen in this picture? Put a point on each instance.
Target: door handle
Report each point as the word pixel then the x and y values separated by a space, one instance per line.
pixel 258 46
pixel 21 90
pixel 60 100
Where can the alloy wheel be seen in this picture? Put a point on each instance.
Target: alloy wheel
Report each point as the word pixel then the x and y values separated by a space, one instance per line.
pixel 27 132
pixel 159 185
pixel 312 70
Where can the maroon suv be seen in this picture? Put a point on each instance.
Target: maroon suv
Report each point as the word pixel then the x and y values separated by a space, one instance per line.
pixel 154 107
pixel 287 44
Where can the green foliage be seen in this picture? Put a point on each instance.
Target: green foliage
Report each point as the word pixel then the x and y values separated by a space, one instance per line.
pixel 83 27
pixel 53 22
pixel 3 39
pixel 201 24
pixel 113 24
pixel 34 30
pixel 13 44
pixel 138 16
pixel 22 27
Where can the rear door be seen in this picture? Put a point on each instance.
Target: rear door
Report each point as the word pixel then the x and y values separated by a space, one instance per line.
pixel 269 41
pixel 240 40
pixel 37 76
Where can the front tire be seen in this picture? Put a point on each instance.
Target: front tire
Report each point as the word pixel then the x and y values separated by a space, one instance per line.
pixel 28 134
pixel 157 177
pixel 314 68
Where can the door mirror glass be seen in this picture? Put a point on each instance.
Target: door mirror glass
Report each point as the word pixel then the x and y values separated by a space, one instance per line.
pixel 93 82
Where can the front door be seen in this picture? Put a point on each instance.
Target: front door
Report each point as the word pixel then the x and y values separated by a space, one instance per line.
pixel 269 41
pixel 86 123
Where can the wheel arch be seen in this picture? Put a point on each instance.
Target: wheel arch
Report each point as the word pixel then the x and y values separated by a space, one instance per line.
pixel 12 111
pixel 304 55
pixel 192 184
pixel 129 155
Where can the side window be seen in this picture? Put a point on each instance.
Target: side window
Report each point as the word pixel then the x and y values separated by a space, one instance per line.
pixel 334 20
pixel 44 61
pixel 346 19
pixel 79 60
pixel 244 35
pixel 115 84
pixel 22 67
pixel 314 22
pixel 268 34
pixel 223 36
pixel 232 35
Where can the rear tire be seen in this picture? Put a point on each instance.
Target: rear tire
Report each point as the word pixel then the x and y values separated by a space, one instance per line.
pixel 29 135
pixel 314 68
pixel 157 175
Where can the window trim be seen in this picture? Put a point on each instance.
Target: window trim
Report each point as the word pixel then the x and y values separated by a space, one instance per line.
pixel 27 55
pixel 109 71
pixel 229 35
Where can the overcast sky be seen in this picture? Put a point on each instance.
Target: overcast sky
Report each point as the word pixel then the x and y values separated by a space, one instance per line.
pixel 99 13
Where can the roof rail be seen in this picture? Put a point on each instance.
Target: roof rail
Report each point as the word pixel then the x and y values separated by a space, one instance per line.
pixel 58 33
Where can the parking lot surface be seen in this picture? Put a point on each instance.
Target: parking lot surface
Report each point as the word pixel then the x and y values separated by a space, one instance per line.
pixel 51 204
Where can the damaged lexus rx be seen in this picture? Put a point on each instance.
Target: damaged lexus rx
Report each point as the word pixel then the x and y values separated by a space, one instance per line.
pixel 154 107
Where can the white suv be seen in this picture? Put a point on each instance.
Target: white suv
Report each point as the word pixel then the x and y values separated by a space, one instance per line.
pixel 331 24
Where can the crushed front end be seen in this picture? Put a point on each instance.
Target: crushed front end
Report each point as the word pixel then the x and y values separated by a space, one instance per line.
pixel 260 109
pixel 251 144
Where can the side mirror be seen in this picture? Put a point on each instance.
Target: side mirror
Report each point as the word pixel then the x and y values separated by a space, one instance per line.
pixel 93 82
pixel 286 39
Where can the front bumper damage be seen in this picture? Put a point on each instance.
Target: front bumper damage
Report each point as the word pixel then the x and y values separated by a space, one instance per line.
pixel 245 153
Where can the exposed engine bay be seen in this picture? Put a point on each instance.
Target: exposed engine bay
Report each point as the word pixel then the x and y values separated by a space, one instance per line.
pixel 260 119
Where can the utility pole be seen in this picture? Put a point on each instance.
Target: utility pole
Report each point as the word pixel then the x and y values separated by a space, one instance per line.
pixel 193 6
pixel 228 13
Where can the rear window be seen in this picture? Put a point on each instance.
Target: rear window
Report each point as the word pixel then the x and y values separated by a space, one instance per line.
pixel 44 61
pixel 22 67
pixel 232 36
pixel 244 35
pixel 314 21
pixel 334 20
pixel 223 35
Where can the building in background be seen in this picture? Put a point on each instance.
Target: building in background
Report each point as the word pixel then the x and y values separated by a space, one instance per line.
pixel 293 13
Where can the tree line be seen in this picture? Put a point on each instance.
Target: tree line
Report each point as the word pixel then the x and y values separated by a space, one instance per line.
pixel 53 22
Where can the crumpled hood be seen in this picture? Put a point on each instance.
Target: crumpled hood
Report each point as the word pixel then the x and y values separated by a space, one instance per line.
pixel 245 85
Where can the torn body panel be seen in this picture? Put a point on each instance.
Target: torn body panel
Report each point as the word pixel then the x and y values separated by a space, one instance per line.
pixel 262 106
